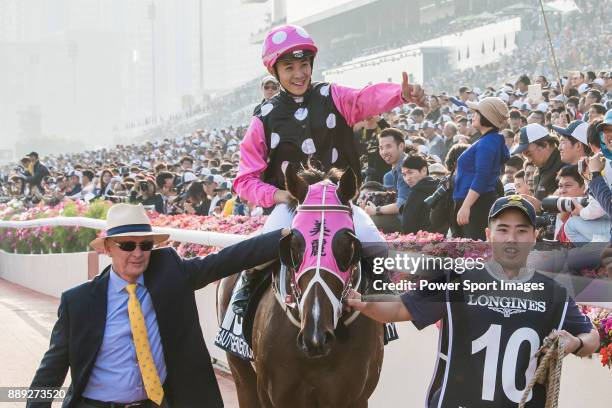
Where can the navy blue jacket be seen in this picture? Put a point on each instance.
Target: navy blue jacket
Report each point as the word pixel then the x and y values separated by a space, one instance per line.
pixel 479 167
pixel 171 282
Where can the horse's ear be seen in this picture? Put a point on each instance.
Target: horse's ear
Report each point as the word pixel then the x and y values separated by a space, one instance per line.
pixel 347 187
pixel 295 184
pixel 356 248
pixel 284 250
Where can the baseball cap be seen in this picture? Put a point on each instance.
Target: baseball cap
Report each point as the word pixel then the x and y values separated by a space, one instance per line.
pixel 504 97
pixel 412 128
pixel 576 129
pixel 269 78
pixel 427 125
pixel 189 177
pixel 513 201
pixel 437 169
pixel 608 118
pixel 582 88
pixel 599 81
pixel 529 134
pixel 223 186
pixel 560 98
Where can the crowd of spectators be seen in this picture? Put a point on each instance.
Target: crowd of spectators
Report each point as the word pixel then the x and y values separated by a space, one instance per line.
pixel 412 157
pixel 188 174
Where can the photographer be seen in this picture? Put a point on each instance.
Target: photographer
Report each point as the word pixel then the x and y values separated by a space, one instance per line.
pixel 145 193
pixel 37 172
pixel 165 185
pixel 197 201
pixel 570 184
pixel 74 185
pixel 415 212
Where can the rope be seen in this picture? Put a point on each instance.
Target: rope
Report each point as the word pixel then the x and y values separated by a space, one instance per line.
pixel 548 372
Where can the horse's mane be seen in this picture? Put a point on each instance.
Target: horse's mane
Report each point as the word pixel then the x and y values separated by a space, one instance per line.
pixel 311 174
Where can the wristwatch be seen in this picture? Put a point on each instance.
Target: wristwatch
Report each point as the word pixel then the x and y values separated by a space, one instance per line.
pixel 581 345
pixel 378 212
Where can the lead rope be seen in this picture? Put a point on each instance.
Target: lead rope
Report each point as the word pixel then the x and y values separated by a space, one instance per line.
pixel 548 373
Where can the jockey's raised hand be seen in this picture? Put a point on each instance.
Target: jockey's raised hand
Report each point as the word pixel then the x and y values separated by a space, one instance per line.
pixel 412 93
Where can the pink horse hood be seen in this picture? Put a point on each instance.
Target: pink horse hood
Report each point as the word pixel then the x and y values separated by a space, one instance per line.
pixel 318 229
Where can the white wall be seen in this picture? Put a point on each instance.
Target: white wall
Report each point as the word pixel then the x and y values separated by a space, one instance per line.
pixel 408 364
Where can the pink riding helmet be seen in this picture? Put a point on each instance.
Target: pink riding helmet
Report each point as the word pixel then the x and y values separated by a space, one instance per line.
pixel 284 39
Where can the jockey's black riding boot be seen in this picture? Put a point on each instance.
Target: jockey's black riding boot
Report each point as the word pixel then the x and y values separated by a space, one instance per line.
pixel 248 281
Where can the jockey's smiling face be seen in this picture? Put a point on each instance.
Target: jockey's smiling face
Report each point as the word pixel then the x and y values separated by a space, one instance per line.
pixel 294 74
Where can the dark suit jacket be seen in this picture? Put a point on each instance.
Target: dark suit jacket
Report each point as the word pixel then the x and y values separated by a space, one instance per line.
pixel 171 282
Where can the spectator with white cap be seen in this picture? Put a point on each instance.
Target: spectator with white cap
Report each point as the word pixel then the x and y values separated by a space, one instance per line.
pixel 573 144
pixel 541 149
pixel 270 87
pixel 74 184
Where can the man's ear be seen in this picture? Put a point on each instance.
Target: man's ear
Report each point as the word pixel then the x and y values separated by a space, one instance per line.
pixel 488 234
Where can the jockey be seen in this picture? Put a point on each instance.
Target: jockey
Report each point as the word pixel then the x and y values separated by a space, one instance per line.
pixel 305 120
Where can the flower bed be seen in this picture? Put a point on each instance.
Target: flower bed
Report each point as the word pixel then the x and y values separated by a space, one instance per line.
pixel 602 320
pixel 75 239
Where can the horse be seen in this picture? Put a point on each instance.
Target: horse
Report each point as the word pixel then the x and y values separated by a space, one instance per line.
pixel 307 350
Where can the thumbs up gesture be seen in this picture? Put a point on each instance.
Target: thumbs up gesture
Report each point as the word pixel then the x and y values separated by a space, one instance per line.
pixel 412 93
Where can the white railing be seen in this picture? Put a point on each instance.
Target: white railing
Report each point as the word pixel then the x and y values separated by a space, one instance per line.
pixel 208 238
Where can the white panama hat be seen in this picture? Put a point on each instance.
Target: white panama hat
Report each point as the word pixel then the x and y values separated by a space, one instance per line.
pixel 127 220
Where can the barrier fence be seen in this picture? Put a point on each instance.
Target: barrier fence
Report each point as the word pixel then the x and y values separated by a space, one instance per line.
pixel 408 362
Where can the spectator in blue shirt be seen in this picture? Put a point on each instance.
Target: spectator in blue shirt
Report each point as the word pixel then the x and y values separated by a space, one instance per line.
pixel 479 168
pixel 598 186
pixel 391 146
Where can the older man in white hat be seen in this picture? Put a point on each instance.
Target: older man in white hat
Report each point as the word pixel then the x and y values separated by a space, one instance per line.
pixel 132 336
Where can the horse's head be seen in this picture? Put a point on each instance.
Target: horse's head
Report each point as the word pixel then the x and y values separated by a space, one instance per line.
pixel 321 253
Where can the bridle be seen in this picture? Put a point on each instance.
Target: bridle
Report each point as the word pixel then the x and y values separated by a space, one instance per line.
pixel 296 293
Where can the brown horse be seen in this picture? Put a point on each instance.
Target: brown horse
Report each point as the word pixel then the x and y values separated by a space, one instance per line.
pixel 307 352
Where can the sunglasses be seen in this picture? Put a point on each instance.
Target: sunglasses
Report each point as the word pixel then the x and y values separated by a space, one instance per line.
pixel 129 246
pixel 271 88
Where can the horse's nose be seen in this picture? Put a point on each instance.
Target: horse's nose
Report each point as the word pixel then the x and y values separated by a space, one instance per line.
pixel 317 344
